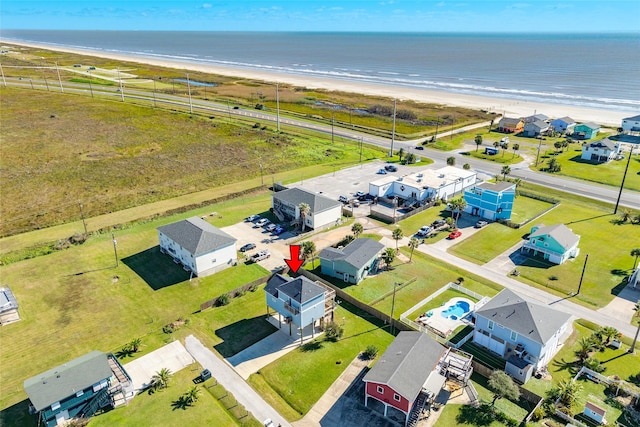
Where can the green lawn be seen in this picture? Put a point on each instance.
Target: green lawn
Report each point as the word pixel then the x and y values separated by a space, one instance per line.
pixel 461 415
pixel 506 159
pixel 516 410
pixel 295 382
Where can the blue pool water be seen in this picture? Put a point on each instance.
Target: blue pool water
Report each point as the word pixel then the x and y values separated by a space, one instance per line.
pixel 456 311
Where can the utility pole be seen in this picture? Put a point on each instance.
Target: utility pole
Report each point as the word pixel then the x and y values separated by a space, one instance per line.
pixel 59 79
pixel 615 211
pixel 90 84
pixel 538 155
pixel 84 224
pixel 115 250
pixel 361 152
pixel 154 93
pixel 393 304
pixel 261 176
pixel 4 82
pixel 189 91
pixel 393 128
pixel 277 108
pixel 332 122
pixel 584 267
pixel 46 82
pixel 437 124
pixel 121 88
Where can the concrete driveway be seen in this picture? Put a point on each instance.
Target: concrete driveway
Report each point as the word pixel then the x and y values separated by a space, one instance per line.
pixel 172 356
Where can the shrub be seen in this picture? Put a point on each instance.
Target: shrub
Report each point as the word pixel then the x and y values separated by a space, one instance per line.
pixel 538 414
pixel 223 299
pixel 240 293
pixel 370 352
pixel 253 288
pixel 594 364
pixel 333 331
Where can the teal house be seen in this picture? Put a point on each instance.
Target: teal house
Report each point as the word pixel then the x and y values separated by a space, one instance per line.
pixel 586 130
pixel 491 201
pixel 556 243
pixel 353 262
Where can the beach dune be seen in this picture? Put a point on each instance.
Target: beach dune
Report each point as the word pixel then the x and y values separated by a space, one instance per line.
pixel 502 106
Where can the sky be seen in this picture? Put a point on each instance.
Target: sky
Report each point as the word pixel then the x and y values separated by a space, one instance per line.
pixel 312 15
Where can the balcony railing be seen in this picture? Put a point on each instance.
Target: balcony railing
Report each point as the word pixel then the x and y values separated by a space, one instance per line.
pixel 291 309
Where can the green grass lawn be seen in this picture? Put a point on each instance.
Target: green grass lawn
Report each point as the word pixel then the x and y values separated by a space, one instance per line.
pixel 506 159
pixel 461 415
pixel 516 410
pixel 295 382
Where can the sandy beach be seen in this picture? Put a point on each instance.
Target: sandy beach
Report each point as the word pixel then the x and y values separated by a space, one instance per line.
pixel 502 106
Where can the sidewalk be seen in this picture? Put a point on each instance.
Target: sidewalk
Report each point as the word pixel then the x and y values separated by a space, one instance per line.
pixel 234 384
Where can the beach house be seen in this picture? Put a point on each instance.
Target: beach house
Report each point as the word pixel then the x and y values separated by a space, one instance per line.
pixel 563 125
pixel 198 246
pixel 523 332
pixel 536 118
pixel 537 128
pixel 586 130
pixel 353 262
pixel 631 125
pixel 510 125
pixel 556 243
pixel 491 201
pixel 79 388
pixel 601 151
pixel 323 211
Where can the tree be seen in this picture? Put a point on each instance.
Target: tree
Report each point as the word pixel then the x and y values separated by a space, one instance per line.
pixel 585 347
pixel 478 141
pixel 160 379
pixel 496 144
pixel 466 166
pixel 557 145
pixel 636 308
pixel 457 206
pixel 400 154
pixel 625 215
pixel 516 147
pixel 191 396
pixel 502 385
pixel 636 253
pixel 357 229
pixel 397 235
pixel 410 159
pixel 506 170
pixel 554 166
pixel 505 147
pixel 568 391
pixel 451 161
pixel 609 333
pixel 388 256
pixel 370 352
pixel 413 243
pixel 308 249
pixel 135 344
pixel 304 211
pixel 333 331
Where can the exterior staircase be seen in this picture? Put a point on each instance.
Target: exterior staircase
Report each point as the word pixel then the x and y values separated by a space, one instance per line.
pixel 418 406
pixel 100 400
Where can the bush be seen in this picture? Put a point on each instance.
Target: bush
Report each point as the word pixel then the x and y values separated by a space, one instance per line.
pixel 223 299
pixel 240 293
pixel 370 352
pixel 594 364
pixel 538 414
pixel 253 288
pixel 333 331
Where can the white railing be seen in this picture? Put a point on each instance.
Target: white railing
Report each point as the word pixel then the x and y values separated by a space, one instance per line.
pixel 482 299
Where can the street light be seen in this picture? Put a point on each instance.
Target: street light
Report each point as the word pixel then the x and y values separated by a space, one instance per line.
pixel 615 211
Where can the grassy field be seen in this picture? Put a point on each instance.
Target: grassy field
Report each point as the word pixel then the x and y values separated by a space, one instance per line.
pixel 295 382
pixel 605 173
pixel 463 415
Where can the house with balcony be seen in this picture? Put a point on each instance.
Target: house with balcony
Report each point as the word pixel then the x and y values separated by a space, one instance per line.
pixel 353 262
pixel 524 333
pixel 536 118
pixel 563 125
pixel 79 388
pixel 323 212
pixel 631 125
pixel 491 201
pixel 602 151
pixel 510 125
pixel 299 302
pixel 586 130
pixel 537 128
pixel 198 246
pixel 556 243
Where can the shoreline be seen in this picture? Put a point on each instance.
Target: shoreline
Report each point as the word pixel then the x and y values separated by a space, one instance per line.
pixel 508 107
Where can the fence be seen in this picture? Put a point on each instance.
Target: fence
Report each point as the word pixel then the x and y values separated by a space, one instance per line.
pixel 384 217
pixel 233 293
pixel 481 298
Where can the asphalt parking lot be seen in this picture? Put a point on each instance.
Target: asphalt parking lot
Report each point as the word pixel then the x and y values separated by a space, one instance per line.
pixel 276 245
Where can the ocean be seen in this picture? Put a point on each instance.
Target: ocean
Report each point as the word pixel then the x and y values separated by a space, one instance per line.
pixel 587 70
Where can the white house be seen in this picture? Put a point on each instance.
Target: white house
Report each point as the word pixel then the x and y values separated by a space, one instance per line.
pixel 323 210
pixel 431 184
pixel 199 246
pixel 631 124
pixel 601 151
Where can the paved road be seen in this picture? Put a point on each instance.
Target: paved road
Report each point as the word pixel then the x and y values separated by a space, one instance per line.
pixel 234 384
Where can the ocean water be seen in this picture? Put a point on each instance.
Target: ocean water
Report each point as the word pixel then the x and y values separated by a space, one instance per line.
pixel 590 70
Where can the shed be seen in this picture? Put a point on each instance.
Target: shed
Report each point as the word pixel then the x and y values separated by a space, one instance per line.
pixel 8 306
pixel 595 412
pixel 518 368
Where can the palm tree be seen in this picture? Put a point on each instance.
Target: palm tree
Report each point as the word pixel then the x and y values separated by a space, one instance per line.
pixel 192 395
pixel 161 379
pixel 357 229
pixel 505 147
pixel 478 141
pixel 625 215
pixel 585 347
pixel 388 256
pixel 506 170
pixel 636 308
pixel 308 250
pixel 516 147
pixel 451 161
pixel 135 344
pixel 397 235
pixel 304 211
pixel 413 243
pixel 457 206
pixel 636 253
pixel 554 166
pixel 609 333
pixel 496 144
pixel 568 391
pixel 400 154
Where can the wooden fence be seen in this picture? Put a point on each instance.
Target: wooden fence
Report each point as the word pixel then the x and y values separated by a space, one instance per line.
pixel 235 292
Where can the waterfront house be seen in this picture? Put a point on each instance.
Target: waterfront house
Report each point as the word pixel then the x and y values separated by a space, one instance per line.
pixel 8 306
pixel 299 302
pixel 586 130
pixel 324 212
pixel 525 333
pixel 353 262
pixel 556 243
pixel 198 246
pixel 631 125
pixel 563 125
pixel 491 201
pixel 536 128
pixel 79 388
pixel 510 125
pixel 601 151
pixel 536 118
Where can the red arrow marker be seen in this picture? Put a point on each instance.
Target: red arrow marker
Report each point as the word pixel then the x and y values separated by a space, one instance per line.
pixel 295 262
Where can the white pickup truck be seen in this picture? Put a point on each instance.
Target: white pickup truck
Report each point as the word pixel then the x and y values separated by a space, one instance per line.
pixel 260 255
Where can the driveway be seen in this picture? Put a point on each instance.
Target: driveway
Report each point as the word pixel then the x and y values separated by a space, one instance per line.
pixel 172 356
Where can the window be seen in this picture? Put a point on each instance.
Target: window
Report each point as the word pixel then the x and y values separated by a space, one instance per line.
pixel 55 406
pixel 80 393
pixel 514 336
pixel 396 397
pixel 490 326
pixel 380 389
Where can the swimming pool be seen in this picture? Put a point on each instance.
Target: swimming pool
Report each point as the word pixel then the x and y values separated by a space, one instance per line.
pixel 456 311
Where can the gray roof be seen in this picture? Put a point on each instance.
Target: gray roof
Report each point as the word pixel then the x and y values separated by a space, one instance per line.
pixel 634 118
pixel 196 235
pixel 559 232
pixel 498 186
pixel 566 119
pixel 300 289
pixel 7 300
pixel 317 202
pixel 407 363
pixel 65 380
pixel 531 320
pixel 358 253
pixel 604 143
pixel 536 117
pixel 538 124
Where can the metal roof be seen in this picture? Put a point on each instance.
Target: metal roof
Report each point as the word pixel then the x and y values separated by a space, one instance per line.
pixel 196 235
pixel 634 118
pixel 498 186
pixel 7 300
pixel 559 232
pixel 604 143
pixel 357 253
pixel 65 380
pixel 317 202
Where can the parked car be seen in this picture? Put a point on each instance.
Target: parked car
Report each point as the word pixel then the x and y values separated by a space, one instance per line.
pixel 252 218
pixel 382 172
pixel 343 199
pixel 505 139
pixel 354 202
pixel 455 234
pixel 278 230
pixel 248 247
pixel 391 168
pixel 438 223
pixel 481 223
pixel 360 194
pixel 424 231
pixel 260 255
pixel 270 227
pixel 269 423
pixel 261 222
pixel 266 224
pixel 419 147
